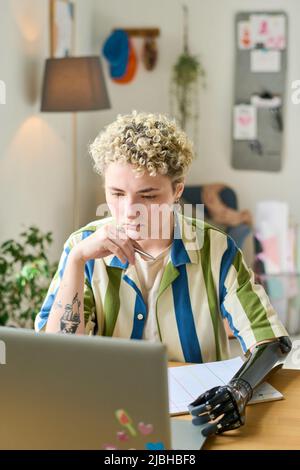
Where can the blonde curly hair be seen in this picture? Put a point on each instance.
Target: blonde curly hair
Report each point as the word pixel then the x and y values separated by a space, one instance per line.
pixel 150 142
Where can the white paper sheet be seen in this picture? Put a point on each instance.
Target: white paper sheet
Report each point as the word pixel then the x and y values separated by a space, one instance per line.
pixel 244 35
pixel 186 383
pixel 272 230
pixel 245 122
pixel 260 28
pixel 263 60
pixel 268 31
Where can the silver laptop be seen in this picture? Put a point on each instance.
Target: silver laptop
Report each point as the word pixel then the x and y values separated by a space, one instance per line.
pixel 82 392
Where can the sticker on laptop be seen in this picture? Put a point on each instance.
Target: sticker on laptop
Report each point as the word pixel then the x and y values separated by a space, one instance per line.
pixel 130 431
pixel 145 429
pixel 125 420
pixel 155 446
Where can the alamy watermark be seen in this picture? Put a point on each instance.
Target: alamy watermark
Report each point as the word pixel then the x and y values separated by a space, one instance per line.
pixel 296 93
pixel 2 92
pixel 295 353
pixel 2 353
pixel 153 221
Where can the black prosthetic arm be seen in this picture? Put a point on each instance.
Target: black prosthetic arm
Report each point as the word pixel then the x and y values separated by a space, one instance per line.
pixel 223 408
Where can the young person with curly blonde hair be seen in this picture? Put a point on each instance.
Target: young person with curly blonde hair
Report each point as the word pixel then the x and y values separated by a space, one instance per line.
pixel 196 278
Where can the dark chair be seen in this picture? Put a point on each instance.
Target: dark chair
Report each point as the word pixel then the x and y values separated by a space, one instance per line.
pixel 193 195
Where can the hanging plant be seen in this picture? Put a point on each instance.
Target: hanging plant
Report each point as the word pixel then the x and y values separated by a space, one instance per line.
pixel 187 76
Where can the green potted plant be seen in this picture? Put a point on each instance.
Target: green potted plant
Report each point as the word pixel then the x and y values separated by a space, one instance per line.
pixel 187 76
pixel 25 274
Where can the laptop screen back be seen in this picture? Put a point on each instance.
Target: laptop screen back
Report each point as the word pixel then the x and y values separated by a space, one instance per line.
pixel 82 392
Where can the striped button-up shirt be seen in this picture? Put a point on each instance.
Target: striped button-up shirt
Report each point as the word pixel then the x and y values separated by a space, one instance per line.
pixel 204 282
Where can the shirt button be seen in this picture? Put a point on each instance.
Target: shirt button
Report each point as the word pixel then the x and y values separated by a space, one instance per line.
pixel 140 316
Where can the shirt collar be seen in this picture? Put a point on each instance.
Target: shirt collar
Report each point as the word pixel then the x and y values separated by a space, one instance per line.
pixel 185 246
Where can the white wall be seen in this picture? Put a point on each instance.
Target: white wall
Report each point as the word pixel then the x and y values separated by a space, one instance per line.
pixel 212 38
pixel 35 148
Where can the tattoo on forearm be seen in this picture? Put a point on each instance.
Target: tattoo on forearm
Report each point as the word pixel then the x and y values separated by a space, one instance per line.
pixel 58 304
pixel 71 318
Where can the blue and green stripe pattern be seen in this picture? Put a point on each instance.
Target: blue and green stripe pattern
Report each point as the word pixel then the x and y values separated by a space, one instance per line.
pixel 205 281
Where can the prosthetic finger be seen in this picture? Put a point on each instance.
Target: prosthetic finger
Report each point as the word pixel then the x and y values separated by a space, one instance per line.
pixel 199 420
pixel 204 397
pixel 219 396
pixel 226 407
pixel 229 421
pixel 223 408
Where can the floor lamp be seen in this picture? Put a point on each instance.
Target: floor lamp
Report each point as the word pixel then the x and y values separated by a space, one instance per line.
pixel 74 84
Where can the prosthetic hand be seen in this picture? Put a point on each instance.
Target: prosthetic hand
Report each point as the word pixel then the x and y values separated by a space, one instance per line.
pixel 225 405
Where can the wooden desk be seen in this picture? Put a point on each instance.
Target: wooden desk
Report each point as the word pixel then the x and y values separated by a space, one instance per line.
pixel 271 425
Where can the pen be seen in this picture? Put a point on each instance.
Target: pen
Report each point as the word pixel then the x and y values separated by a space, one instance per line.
pixel 138 250
pixel 144 253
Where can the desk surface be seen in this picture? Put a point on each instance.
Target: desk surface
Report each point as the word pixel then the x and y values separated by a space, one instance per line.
pixel 270 425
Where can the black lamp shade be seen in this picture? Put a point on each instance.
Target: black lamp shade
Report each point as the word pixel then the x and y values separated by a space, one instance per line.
pixel 74 84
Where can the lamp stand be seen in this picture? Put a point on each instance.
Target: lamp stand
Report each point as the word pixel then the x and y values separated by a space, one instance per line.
pixel 75 173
